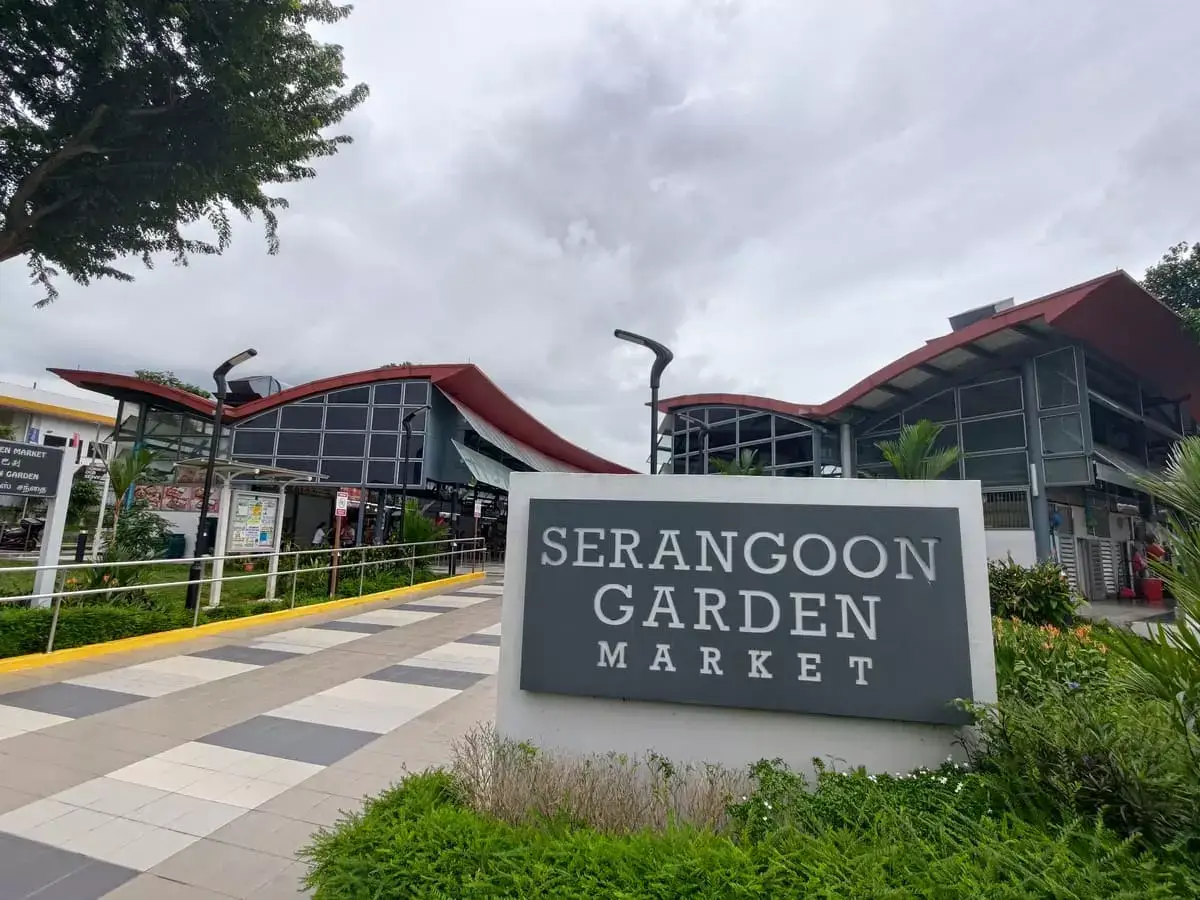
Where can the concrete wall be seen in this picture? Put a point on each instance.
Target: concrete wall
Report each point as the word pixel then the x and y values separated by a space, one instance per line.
pixel 726 735
pixel 1014 543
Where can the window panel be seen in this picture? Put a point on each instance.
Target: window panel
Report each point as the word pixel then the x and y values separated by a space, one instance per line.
pixel 414 474
pixel 346 418
pixel 718 414
pixel 789 450
pixel 298 463
pixel 695 464
pixel 416 393
pixel 794 472
pixel 679 444
pixel 266 420
pixel 253 443
pixel 379 472
pixel 724 435
pixel 892 424
pixel 385 419
pixel 756 428
pixel 784 425
pixel 868 453
pixel 384 446
pixel 938 408
pixel 389 394
pixel 358 396
pixel 414 447
pixel 301 418
pixel 1057 381
pixel 998 468
pixel 989 399
pixel 318 400
pixel 1062 434
pixel 159 423
pixel 342 443
pixel 342 471
pixel 1068 470
pixel 1003 433
pixel 299 443
pixel 418 418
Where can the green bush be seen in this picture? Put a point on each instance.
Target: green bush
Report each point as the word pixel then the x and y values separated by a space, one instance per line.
pixel 860 839
pixel 1033 660
pixel 1040 594
pixel 26 630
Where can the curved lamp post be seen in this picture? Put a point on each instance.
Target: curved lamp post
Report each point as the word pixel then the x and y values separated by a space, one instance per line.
pixel 406 424
pixel 196 571
pixel 662 359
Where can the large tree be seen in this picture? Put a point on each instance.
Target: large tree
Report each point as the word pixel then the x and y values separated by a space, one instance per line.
pixel 1175 280
pixel 169 379
pixel 123 122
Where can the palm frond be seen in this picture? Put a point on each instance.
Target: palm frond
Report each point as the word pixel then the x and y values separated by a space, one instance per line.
pixel 915 454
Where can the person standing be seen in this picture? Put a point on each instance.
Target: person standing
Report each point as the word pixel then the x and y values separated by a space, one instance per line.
pixel 318 539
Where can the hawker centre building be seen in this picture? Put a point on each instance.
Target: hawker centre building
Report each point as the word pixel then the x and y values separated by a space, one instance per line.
pixel 1057 405
pixel 345 432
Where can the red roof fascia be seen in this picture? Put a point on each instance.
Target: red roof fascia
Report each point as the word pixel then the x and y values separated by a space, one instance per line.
pixel 747 401
pixel 106 382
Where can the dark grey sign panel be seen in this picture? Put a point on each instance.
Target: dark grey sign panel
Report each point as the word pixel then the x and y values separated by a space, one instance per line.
pixel 29 470
pixel 835 610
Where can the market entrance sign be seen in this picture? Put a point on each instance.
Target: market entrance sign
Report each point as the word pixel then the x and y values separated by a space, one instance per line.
pixel 29 470
pixel 835 610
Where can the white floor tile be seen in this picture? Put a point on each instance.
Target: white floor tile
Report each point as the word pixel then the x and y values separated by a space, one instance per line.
pixel 160 773
pixel 388 694
pixel 491 629
pixel 221 759
pixel 24 818
pixel 290 772
pixel 14 720
pixel 191 815
pixel 395 618
pixel 214 786
pixel 141 684
pixel 453 602
pixel 321 638
pixel 492 590
pixel 151 849
pixel 109 795
pixel 198 667
pixel 254 794
pixel 102 843
pixel 285 647
pixel 347 714
pixel 460 658
pixel 62 829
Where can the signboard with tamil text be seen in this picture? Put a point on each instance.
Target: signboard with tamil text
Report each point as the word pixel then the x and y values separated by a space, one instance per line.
pixel 29 470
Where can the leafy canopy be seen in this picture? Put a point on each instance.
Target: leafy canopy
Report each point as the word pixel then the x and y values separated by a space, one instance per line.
pixel 1175 280
pixel 915 453
pixel 168 379
pixel 122 123
pixel 745 463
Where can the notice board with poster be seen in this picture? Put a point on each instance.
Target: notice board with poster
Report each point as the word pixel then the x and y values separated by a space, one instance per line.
pixel 745 618
pixel 252 522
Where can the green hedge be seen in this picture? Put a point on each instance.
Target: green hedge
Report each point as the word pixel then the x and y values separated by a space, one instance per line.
pixel 418 840
pixel 26 630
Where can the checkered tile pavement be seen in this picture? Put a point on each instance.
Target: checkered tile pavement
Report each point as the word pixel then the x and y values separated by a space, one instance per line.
pixel 222 811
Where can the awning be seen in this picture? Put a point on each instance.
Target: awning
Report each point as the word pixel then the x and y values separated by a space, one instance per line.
pixel 537 461
pixel 1119 468
pixel 483 469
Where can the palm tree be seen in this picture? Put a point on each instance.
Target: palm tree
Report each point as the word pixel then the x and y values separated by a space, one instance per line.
pixel 915 455
pixel 7 433
pixel 745 463
pixel 124 472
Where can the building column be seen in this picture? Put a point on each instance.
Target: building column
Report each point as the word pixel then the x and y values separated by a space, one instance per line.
pixel 846 439
pixel 1039 504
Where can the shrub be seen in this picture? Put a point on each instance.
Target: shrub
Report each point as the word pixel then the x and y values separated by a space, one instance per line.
pixel 421 839
pixel 1032 660
pixel 26 630
pixel 1037 594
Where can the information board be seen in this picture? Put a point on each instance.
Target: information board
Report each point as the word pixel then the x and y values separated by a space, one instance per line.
pixel 29 470
pixel 252 522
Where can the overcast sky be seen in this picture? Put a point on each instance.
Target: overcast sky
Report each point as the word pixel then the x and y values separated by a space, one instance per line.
pixel 788 194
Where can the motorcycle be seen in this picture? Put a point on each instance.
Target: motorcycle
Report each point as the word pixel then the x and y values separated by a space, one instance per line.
pixel 22 537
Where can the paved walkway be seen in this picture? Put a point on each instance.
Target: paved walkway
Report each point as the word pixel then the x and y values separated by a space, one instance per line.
pixel 196 772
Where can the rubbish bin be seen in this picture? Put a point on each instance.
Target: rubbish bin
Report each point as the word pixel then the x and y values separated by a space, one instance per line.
pixel 176 546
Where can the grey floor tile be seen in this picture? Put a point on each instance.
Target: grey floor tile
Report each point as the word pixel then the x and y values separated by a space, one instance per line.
pixel 71 700
pixel 321 745
pixel 253 656
pixel 360 627
pixel 224 868
pixel 443 678
pixel 32 870
pixel 483 640
pixel 422 607
pixel 151 887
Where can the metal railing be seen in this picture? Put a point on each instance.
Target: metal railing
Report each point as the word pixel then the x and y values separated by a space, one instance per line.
pixel 451 555
pixel 1007 508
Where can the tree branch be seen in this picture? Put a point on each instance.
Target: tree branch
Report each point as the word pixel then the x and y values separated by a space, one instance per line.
pixel 17 218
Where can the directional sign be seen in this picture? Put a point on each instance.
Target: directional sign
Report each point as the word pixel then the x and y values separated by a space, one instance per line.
pixel 29 470
pixel 343 501
pixel 478 508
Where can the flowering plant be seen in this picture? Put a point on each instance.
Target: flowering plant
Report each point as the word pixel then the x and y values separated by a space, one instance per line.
pixel 1030 659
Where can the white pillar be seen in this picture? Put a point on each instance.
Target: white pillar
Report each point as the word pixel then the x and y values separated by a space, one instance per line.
pixel 97 537
pixel 846 435
pixel 273 566
pixel 52 534
pixel 220 540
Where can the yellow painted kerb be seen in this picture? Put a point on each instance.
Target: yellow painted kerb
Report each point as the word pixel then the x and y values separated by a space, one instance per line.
pixel 179 635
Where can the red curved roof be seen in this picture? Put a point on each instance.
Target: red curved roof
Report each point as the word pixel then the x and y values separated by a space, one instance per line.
pixel 1112 314
pixel 465 382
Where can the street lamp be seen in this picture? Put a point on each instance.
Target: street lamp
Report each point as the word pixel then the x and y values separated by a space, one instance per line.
pixel 705 429
pixel 197 568
pixel 662 359
pixel 406 424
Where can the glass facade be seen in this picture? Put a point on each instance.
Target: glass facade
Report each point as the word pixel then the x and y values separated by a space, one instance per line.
pixel 353 436
pixel 782 445
pixel 984 419
pixel 172 436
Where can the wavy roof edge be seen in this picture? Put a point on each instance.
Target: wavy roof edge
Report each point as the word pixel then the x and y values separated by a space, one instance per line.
pixel 465 382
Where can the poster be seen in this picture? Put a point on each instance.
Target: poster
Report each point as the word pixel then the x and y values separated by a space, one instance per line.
pixel 252 522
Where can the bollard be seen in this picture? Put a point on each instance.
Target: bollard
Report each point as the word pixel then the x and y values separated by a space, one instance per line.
pixel 81 546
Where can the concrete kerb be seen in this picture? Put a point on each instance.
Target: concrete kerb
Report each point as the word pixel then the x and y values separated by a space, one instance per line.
pixel 182 635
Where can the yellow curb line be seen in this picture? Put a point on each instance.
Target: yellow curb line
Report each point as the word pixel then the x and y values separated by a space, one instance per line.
pixel 179 635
